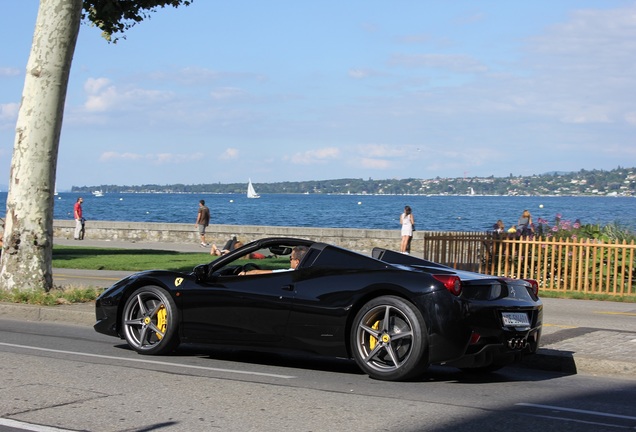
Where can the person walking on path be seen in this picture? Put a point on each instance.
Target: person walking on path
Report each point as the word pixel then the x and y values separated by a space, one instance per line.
pixel 203 220
pixel 408 225
pixel 79 219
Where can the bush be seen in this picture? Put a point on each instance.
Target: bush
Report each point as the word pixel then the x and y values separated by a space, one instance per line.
pixel 564 229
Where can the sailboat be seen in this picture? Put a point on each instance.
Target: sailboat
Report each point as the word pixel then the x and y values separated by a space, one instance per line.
pixel 251 193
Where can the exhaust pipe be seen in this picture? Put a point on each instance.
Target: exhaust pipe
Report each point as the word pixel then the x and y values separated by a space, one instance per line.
pixel 517 343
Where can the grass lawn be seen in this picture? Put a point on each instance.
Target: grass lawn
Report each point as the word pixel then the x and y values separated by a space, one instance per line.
pixel 86 258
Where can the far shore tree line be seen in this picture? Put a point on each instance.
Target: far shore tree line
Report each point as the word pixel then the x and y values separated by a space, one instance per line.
pixel 616 182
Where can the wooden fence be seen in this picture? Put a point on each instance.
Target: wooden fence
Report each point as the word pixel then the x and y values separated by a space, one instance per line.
pixel 565 265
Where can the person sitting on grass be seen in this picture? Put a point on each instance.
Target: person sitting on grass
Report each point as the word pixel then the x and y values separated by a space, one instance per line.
pixel 230 245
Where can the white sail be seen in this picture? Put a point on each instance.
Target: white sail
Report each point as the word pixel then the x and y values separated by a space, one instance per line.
pixel 251 193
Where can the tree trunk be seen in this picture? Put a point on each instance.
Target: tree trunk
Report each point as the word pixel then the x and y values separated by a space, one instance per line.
pixel 27 251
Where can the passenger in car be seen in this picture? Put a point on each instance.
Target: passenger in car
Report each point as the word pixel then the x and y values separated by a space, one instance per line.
pixel 295 257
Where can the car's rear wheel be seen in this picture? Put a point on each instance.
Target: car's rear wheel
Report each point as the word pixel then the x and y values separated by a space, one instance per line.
pixel 389 339
pixel 149 321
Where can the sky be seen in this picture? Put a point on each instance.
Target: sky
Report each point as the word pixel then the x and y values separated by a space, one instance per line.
pixel 282 90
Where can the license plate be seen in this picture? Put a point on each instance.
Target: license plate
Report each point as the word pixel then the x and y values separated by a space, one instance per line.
pixel 515 319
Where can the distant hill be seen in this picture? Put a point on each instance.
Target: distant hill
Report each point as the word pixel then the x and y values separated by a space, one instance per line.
pixel 617 182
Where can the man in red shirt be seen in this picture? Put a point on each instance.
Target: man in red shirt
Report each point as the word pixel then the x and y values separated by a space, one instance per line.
pixel 79 220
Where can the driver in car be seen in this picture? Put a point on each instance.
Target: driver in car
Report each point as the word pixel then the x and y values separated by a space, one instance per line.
pixel 295 258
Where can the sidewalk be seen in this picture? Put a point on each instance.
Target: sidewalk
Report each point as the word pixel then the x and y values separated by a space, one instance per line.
pixel 587 350
pixel 127 244
pixel 571 343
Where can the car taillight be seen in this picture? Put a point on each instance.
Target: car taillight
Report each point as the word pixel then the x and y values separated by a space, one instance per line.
pixel 451 282
pixel 474 338
pixel 535 286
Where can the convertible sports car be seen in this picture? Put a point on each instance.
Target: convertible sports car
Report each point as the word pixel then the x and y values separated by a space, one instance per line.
pixel 394 314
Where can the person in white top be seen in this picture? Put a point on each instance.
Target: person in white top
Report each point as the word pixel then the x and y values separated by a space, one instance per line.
pixel 408 224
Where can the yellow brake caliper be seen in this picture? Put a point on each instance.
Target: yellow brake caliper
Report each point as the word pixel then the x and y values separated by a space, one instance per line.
pixel 162 321
pixel 372 339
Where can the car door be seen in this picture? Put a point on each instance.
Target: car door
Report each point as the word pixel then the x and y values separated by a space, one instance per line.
pixel 250 310
pixel 318 318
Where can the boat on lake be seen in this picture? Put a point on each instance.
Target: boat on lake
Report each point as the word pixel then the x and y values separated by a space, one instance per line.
pixel 251 193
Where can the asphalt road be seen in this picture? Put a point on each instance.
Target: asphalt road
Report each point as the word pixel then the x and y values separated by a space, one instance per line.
pixel 72 378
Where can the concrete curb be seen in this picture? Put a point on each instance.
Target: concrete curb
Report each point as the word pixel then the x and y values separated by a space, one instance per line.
pixel 553 360
pixel 82 315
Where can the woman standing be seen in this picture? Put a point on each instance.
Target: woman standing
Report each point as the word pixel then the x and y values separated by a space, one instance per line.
pixel 407 222
pixel 524 225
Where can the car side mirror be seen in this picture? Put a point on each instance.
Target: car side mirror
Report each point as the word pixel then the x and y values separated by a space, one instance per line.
pixel 201 272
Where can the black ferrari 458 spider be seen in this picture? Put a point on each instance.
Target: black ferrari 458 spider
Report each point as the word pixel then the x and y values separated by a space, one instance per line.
pixel 393 313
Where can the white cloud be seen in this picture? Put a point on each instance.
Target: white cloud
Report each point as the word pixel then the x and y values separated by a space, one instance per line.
pixel 583 67
pixel 197 76
pixel 359 73
pixel 592 34
pixel 110 156
pixel 9 111
pixel 223 93
pixel 230 153
pixel 380 164
pixel 586 116
pixel 155 159
pixel 95 85
pixel 382 150
pixel 315 156
pixel 9 72
pixel 415 38
pixel 471 18
pixel 104 96
pixel 630 118
pixel 362 73
pixel 453 62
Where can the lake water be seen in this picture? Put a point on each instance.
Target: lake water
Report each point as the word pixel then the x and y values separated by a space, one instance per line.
pixel 438 213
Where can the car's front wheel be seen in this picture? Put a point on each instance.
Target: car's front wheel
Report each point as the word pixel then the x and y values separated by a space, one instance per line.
pixel 389 340
pixel 149 321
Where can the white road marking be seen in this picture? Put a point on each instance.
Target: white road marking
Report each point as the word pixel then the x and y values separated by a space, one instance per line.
pixel 578 411
pixel 154 362
pixel 578 421
pixel 29 427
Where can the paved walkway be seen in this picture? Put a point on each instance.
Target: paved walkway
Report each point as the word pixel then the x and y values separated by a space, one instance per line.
pixel 126 244
pixel 578 343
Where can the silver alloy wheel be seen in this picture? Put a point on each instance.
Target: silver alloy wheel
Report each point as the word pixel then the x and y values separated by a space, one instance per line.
pixel 389 339
pixel 384 338
pixel 149 321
